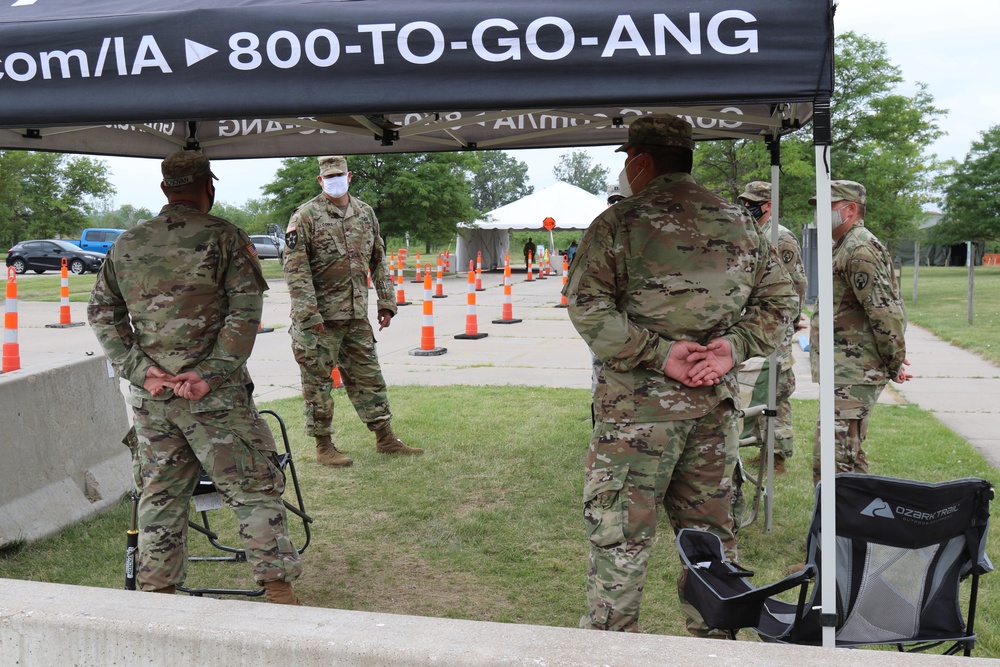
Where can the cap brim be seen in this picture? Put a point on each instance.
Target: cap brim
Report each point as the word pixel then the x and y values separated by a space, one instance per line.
pixel 624 147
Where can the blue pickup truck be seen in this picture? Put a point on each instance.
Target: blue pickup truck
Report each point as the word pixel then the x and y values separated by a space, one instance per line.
pixel 97 239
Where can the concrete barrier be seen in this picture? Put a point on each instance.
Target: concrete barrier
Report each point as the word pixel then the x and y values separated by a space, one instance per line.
pixel 61 457
pixel 53 624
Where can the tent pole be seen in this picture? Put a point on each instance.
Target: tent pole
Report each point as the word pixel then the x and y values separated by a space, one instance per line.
pixel 822 140
pixel 774 146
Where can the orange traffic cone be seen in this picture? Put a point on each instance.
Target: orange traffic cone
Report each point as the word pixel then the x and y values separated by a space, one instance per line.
pixel 471 321
pixel 11 351
pixel 64 316
pixel 507 315
pixel 418 277
pixel 335 376
pixel 530 277
pixel 400 292
pixel 427 347
pixel 479 272
pixel 439 292
pixel 565 301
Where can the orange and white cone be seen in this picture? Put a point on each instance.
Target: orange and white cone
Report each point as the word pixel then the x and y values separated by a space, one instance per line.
pixel 530 277
pixel 479 272
pixel 335 376
pixel 471 320
pixel 400 292
pixel 64 315
pixel 11 351
pixel 439 291
pixel 507 314
pixel 565 301
pixel 541 267
pixel 427 347
pixel 418 277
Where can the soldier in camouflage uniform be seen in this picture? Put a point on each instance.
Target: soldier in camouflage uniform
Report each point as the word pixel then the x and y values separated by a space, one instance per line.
pixel 331 244
pixel 756 198
pixel 675 287
pixel 869 323
pixel 176 307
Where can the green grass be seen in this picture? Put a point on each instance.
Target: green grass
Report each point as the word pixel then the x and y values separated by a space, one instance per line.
pixel 487 525
pixel 942 306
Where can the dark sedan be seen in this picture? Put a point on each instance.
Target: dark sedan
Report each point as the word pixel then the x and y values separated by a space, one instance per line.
pixel 48 254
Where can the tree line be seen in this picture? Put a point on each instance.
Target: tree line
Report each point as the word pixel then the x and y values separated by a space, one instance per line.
pixel 880 138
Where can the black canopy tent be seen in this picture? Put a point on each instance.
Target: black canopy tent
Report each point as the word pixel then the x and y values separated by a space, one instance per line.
pixel 266 78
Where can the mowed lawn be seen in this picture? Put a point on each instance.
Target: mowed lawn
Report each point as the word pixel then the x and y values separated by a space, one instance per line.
pixel 488 524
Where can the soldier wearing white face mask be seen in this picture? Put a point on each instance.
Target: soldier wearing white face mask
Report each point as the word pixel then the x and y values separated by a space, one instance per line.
pixel 331 244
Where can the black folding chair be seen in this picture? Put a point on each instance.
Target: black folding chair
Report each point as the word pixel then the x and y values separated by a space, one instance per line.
pixel 206 498
pixel 903 549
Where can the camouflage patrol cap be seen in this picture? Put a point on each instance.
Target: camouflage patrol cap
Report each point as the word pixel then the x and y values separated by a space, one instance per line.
pixel 756 191
pixel 184 167
pixel 845 191
pixel 332 165
pixel 659 130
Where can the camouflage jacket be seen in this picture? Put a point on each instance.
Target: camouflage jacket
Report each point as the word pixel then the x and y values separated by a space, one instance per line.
pixel 869 322
pixel 674 262
pixel 182 291
pixel 791 260
pixel 328 254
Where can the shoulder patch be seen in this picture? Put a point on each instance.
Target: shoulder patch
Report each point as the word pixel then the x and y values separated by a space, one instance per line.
pixel 861 280
pixel 787 256
pixel 291 238
pixel 252 250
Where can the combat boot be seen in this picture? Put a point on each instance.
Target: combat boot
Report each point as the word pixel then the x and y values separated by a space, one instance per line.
pixel 386 442
pixel 280 592
pixel 166 590
pixel 328 455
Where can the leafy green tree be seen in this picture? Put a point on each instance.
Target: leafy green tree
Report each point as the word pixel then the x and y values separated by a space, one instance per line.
pixel 119 218
pixel 726 166
pixel 880 137
pixel 252 216
pixel 972 197
pixel 499 179
pixel 294 184
pixel 48 194
pixel 578 168
pixel 423 194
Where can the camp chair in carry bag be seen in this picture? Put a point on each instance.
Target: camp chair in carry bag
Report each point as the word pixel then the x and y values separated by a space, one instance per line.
pixel 756 400
pixel 206 498
pixel 903 549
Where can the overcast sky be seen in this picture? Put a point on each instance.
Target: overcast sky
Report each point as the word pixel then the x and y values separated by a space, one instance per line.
pixel 953 48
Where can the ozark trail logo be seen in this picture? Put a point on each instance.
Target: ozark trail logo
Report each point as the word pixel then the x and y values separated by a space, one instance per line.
pixel 860 280
pixel 878 507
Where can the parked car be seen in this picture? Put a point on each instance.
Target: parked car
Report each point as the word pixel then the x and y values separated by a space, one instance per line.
pixel 97 239
pixel 47 255
pixel 267 247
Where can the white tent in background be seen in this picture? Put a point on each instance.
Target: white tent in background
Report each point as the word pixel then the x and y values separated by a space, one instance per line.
pixel 571 208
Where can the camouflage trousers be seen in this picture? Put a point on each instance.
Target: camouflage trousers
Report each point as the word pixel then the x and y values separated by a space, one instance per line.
pixel 224 435
pixel 852 408
pixel 686 466
pixel 349 345
pixel 754 379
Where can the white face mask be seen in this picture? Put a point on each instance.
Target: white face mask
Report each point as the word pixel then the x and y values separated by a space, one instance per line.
pixel 623 183
pixel 335 186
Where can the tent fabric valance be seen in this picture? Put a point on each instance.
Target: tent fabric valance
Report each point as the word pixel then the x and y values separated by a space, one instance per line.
pixel 259 78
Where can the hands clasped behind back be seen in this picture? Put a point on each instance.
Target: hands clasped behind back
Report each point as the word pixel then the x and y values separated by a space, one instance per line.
pixel 696 365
